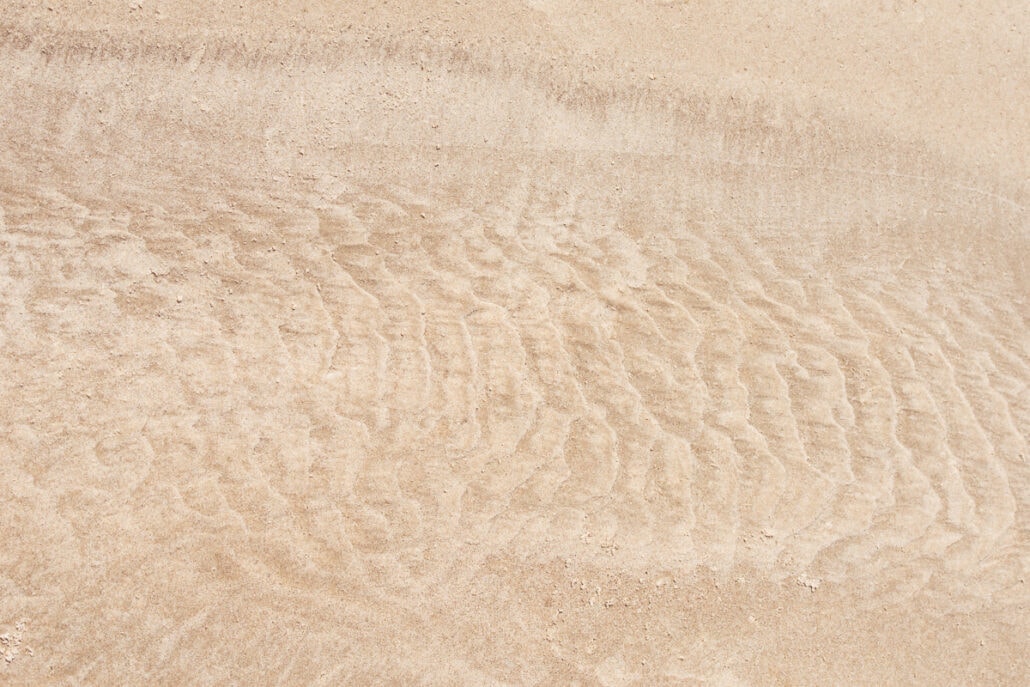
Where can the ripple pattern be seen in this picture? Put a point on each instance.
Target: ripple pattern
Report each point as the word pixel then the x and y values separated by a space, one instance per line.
pixel 495 410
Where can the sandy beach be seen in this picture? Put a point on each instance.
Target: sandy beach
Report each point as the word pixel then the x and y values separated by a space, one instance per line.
pixel 514 343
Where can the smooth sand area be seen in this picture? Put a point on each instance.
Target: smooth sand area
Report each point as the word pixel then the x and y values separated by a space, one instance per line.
pixel 543 342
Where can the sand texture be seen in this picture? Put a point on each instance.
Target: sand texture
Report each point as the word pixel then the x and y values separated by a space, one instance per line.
pixel 523 343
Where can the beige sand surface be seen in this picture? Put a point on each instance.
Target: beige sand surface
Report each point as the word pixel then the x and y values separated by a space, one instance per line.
pixel 544 342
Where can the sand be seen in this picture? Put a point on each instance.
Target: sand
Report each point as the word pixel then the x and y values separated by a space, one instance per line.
pixel 536 342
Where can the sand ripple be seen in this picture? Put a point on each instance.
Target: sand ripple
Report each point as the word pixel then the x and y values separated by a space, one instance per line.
pixel 301 383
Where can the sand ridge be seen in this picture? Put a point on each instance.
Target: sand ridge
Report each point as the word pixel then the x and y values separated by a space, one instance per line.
pixel 351 355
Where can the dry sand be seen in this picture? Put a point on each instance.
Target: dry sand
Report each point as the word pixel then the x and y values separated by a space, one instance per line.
pixel 517 343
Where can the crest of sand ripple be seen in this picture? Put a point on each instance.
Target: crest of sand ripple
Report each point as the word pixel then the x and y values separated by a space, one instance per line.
pixel 357 371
